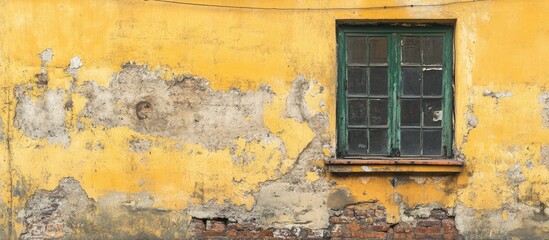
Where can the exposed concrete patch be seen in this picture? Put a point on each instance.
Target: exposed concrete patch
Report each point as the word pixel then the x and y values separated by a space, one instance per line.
pixel 141 200
pixel 140 145
pixel 4 215
pixel 290 201
pixel 296 106
pixel 544 101
pixel 515 175
pixel 184 107
pixel 545 156
pixel 68 213
pixel 497 95
pixel 339 198
pixel 1 131
pixel 43 118
pixel 46 56
pixel 74 65
pixel 48 214
pixel 512 220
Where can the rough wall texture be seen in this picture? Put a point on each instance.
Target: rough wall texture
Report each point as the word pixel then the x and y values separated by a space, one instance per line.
pixel 156 120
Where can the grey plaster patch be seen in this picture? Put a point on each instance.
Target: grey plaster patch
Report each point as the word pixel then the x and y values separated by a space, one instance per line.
pixel 544 156
pixel 140 145
pixel 472 120
pixel 68 213
pixel 141 200
pixel 185 107
pixel 46 56
pixel 290 201
pixel 496 95
pixel 48 214
pixel 515 175
pixel 1 130
pixel 74 65
pixel 43 118
pixel 544 101
pixel 339 198
pixel 296 107
pixel 521 222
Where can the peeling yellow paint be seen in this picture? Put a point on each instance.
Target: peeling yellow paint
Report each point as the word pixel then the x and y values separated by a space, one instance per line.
pixel 500 46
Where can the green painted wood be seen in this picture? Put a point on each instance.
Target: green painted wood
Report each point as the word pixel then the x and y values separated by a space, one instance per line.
pixel 394 34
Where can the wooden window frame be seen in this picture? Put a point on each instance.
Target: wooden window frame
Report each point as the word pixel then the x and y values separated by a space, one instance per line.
pixel 394 34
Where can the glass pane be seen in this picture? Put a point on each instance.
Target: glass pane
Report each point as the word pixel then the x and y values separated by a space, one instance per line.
pixel 410 112
pixel 378 141
pixel 378 81
pixel 378 50
pixel 432 142
pixel 409 142
pixel 378 112
pixel 432 82
pixel 358 140
pixel 356 50
pixel 357 112
pixel 411 50
pixel 432 50
pixel 356 80
pixel 432 112
pixel 411 81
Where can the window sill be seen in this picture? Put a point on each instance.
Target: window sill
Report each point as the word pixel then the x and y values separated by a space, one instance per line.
pixel 394 166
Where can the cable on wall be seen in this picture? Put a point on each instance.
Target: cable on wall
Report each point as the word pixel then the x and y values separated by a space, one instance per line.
pixel 312 9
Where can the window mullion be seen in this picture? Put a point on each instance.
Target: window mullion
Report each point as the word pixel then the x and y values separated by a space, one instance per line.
pixel 394 86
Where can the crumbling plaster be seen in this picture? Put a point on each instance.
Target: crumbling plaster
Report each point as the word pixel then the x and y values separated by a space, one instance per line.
pixel 142 149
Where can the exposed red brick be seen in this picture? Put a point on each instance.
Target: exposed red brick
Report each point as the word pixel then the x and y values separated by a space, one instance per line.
pixel 428 223
pixel 399 236
pixel 354 227
pixel 266 233
pixel 236 226
pixel 428 236
pixel 450 236
pixel 349 213
pixel 428 230
pixel 448 223
pixel 231 233
pixel 215 226
pixel 380 228
pixel 450 230
pixel 370 235
pixel 403 229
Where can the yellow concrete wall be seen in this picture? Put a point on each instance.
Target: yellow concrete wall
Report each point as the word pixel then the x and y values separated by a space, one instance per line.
pixel 500 48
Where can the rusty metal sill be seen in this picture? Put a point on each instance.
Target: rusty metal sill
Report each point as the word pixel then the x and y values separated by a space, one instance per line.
pixel 394 166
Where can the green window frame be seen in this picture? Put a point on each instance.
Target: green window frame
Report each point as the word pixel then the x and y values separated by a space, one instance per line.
pixel 395 91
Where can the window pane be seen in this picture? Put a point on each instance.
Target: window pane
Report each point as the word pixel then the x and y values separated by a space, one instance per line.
pixel 432 50
pixel 378 50
pixel 356 50
pixel 378 112
pixel 409 142
pixel 357 112
pixel 411 50
pixel 411 81
pixel 378 81
pixel 378 141
pixel 432 112
pixel 432 82
pixel 432 141
pixel 356 80
pixel 358 140
pixel 410 112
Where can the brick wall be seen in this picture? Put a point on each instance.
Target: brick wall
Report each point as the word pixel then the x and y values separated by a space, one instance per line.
pixel 360 221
